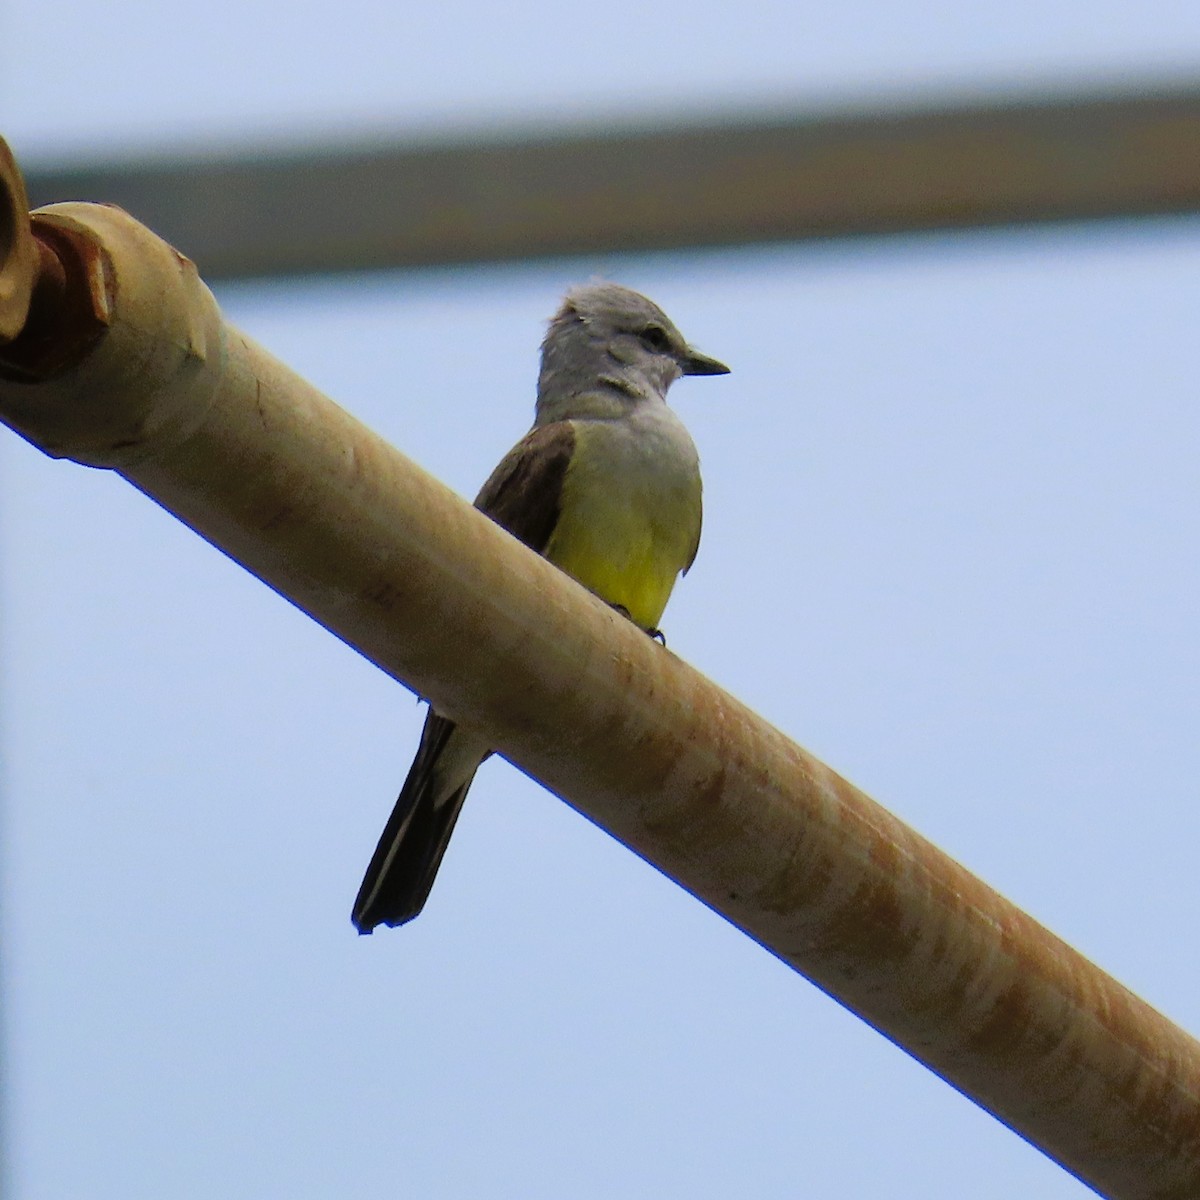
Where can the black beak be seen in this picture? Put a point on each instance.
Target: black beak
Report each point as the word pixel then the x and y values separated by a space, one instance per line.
pixel 695 363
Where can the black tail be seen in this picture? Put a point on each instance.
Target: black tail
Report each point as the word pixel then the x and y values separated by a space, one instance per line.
pixel 405 862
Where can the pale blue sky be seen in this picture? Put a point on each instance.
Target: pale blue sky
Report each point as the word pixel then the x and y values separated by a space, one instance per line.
pixel 950 547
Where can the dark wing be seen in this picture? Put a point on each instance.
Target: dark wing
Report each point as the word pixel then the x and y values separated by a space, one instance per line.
pixel 696 543
pixel 524 493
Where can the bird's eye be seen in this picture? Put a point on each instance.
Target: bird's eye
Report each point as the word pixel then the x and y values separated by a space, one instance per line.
pixel 655 339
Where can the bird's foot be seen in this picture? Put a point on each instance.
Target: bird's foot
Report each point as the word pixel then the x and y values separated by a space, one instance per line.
pixel 656 634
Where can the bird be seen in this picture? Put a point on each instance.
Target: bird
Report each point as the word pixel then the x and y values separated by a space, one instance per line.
pixel 606 486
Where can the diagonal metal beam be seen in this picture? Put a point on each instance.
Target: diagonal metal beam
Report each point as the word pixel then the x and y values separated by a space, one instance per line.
pixel 716 182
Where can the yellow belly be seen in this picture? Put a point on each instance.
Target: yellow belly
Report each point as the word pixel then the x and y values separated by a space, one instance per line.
pixel 635 580
pixel 626 532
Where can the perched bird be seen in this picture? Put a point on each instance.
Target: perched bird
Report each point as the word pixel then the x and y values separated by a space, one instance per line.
pixel 606 485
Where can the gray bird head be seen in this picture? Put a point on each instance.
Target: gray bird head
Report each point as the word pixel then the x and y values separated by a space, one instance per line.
pixel 608 349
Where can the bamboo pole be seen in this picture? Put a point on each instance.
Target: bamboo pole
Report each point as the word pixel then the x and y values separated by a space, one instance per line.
pixel 18 251
pixel 148 380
